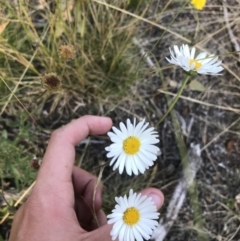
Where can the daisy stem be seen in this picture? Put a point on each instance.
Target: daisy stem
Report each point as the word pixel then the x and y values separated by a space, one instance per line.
pixel 175 100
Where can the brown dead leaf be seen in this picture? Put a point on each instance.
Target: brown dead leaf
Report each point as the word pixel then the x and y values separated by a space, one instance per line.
pixel 185 111
pixel 172 83
pixel 237 202
pixel 197 86
pixel 3 26
pixel 230 146
pixel 3 73
pixel 237 198
pixel 208 199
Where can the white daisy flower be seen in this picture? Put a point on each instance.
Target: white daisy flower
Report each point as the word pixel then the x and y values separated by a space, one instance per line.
pixel 202 64
pixel 133 218
pixel 133 147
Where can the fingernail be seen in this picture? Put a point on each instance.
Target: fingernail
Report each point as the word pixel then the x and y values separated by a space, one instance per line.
pixel 157 199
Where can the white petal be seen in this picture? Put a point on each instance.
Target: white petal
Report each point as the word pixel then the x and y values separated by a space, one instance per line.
pixel 201 56
pixel 127 233
pixel 143 128
pixel 139 164
pixel 113 160
pixel 145 159
pixel 193 53
pixel 151 148
pixel 126 201
pixel 116 147
pixel 120 159
pixel 112 153
pixel 117 227
pixel 142 232
pixel 129 127
pixel 134 166
pixel 122 233
pixel 187 51
pixel 137 234
pixel 149 222
pixel 149 155
pixel 132 199
pixel 176 49
pixel 114 137
pixel 118 133
pixel 131 235
pixel 122 164
pixel 151 216
pixel 128 166
pixel 144 227
pixel 138 127
pixel 123 129
pixel 114 220
pixel 114 215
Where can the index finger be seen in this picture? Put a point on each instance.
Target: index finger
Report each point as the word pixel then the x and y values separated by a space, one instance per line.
pixel 59 157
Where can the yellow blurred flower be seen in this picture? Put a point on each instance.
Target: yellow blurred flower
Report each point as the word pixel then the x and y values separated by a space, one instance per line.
pixel 199 4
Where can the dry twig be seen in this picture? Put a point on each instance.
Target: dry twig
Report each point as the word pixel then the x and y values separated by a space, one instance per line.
pixel 179 194
pixel 230 32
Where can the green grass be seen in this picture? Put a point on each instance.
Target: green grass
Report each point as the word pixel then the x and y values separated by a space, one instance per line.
pixel 105 56
pixel 15 155
pixel 104 68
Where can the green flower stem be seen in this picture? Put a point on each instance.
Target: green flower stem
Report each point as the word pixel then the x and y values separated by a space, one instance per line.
pixel 176 99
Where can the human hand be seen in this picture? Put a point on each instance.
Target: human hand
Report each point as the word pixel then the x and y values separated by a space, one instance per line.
pixel 62 204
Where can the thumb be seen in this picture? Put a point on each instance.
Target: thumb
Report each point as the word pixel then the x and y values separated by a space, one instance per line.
pixel 103 233
pixel 155 194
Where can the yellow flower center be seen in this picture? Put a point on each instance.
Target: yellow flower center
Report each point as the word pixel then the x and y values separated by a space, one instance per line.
pixel 131 145
pixel 131 216
pixel 197 64
pixel 199 4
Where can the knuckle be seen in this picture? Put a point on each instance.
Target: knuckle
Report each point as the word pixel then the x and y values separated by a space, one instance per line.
pixel 57 133
pixel 60 131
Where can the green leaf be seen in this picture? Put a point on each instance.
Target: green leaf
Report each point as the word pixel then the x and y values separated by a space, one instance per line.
pixel 4 134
